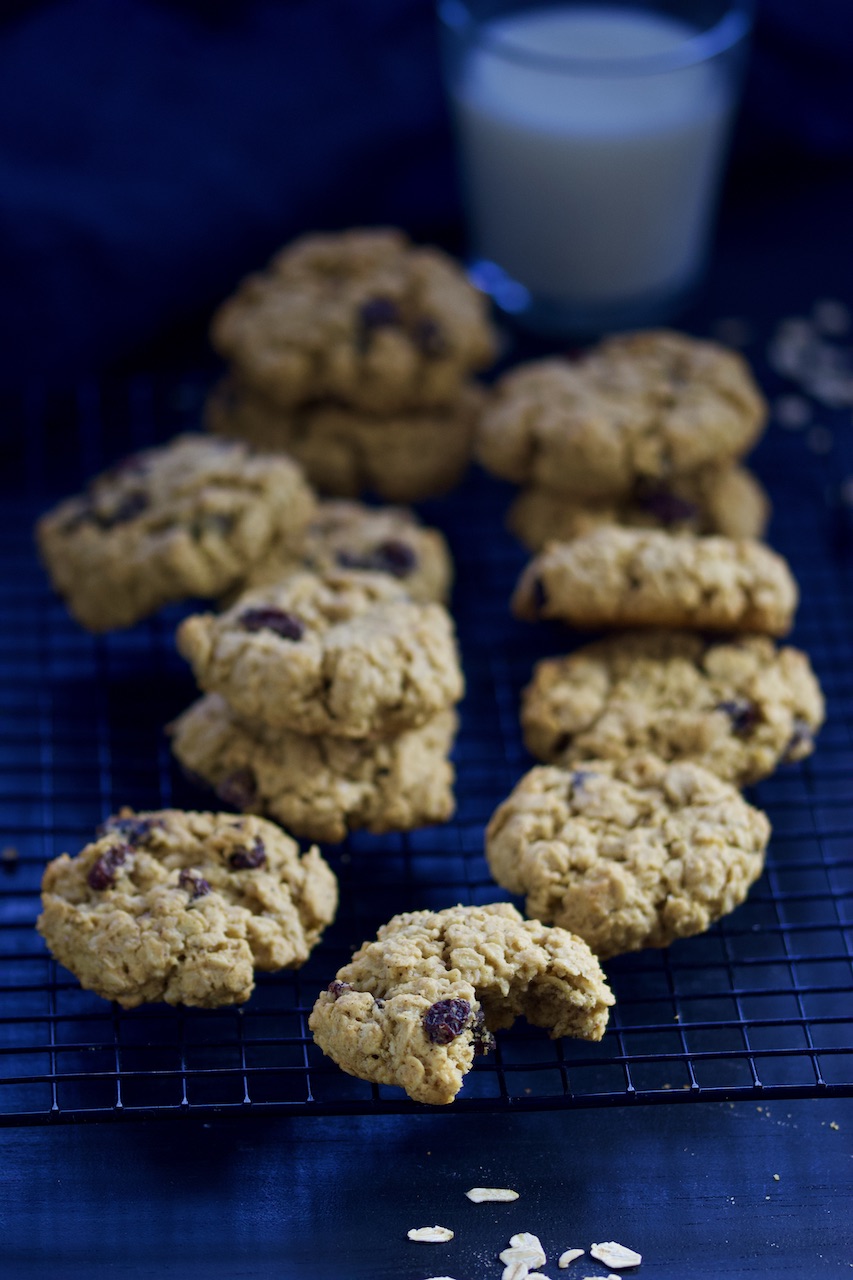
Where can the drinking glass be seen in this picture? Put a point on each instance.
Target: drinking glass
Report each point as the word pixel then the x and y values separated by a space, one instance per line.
pixel 592 139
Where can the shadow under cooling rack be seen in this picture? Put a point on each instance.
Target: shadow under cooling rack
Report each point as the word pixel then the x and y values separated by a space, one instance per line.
pixel 759 1007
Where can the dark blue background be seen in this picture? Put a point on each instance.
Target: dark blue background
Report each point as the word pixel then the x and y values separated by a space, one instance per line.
pixel 152 151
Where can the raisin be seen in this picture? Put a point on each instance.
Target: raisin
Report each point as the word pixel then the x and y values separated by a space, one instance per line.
pixel 268 618
pixel 445 1020
pixel 102 873
pixel 396 557
pixel 239 789
pixel 667 507
pixel 338 988
pixel 132 505
pixel 742 712
pixel 195 885
pixel 133 831
pixel 379 313
pixel 393 557
pixel 802 737
pixel 429 338
pixel 248 859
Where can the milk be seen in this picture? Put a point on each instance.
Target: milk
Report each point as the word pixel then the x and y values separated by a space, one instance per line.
pixel 590 189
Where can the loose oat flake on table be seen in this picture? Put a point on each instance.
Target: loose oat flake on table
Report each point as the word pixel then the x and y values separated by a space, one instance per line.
pixel 525 1251
pixel 479 1194
pixel 430 1235
pixel 570 1255
pixel 615 1255
pixel 517 1269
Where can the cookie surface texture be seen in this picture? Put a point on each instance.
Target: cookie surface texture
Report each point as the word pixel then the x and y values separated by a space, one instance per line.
pixel 362 317
pixel 738 708
pixel 413 1007
pixel 727 501
pixel 183 907
pixel 648 405
pixel 405 456
pixel 189 518
pixel 350 535
pixel 321 787
pixel 344 653
pixel 646 578
pixel 627 855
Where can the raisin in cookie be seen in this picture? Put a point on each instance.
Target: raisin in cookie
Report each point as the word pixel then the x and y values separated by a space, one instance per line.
pixel 320 787
pixel 362 317
pixel 639 406
pixel 187 519
pixel 345 653
pixel 406 457
pixel 630 854
pixel 349 535
pixel 415 1006
pixel 729 501
pixel 183 907
pixel 646 578
pixel 738 708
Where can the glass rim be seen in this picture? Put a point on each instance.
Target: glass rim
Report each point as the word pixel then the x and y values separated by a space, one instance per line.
pixel 726 33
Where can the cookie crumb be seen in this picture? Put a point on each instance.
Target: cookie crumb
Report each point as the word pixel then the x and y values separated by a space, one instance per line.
pixel 831 317
pixel 569 1256
pixel 615 1255
pixel 792 412
pixel 479 1194
pixel 9 856
pixel 430 1235
pixel 775 1177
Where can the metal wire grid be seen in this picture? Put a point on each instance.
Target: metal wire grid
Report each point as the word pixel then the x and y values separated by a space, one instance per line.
pixel 759 1007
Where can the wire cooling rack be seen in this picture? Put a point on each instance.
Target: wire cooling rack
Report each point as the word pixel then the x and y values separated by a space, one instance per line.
pixel 759 1007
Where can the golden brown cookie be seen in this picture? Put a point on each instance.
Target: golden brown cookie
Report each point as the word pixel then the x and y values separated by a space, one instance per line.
pixel 737 707
pixel 729 501
pixel 405 456
pixel 362 317
pixel 187 519
pixel 320 787
pixel 627 854
pixel 642 406
pixel 646 578
pixel 350 535
pixel 183 907
pixel 345 653
pixel 413 1007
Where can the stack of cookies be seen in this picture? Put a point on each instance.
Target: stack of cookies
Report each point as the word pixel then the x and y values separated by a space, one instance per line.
pixel 645 430
pixel 329 703
pixel 634 833
pixel 354 352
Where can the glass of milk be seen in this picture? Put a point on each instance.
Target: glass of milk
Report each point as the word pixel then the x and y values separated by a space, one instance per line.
pixel 592 138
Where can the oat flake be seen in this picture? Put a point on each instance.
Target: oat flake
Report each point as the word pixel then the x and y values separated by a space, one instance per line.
pixel 615 1255
pixel 479 1194
pixel 519 1261
pixel 430 1235
pixel 569 1256
pixel 517 1269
